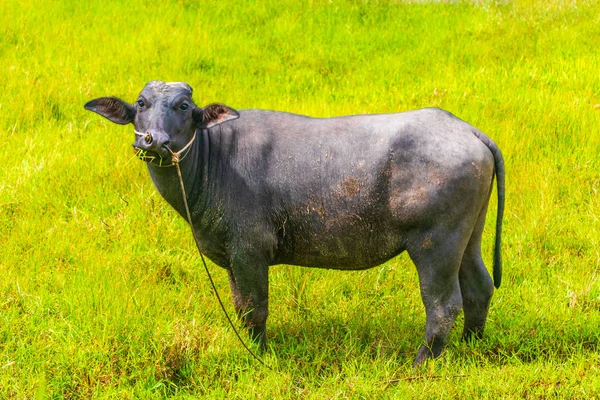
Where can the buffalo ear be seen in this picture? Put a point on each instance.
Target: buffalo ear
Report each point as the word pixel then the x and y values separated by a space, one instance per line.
pixel 214 114
pixel 112 108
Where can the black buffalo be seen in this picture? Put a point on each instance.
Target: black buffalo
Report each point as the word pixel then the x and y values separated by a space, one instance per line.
pixel 346 193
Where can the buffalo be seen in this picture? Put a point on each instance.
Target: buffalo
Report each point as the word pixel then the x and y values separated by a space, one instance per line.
pixel 347 193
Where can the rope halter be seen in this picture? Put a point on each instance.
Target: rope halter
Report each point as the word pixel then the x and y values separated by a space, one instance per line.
pixel 176 157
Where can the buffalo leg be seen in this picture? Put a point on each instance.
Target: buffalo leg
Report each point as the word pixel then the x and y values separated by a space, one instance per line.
pixel 250 291
pixel 438 267
pixel 475 284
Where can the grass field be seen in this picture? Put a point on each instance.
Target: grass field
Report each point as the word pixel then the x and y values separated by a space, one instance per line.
pixel 101 290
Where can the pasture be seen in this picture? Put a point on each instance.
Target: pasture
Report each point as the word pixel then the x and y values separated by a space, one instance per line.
pixel 102 294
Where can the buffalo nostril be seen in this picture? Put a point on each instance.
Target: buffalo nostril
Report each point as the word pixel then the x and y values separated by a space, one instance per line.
pixel 148 138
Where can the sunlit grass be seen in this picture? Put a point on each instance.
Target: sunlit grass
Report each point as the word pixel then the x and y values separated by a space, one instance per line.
pixel 102 294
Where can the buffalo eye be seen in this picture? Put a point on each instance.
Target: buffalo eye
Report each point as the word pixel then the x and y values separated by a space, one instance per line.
pixel 141 103
pixel 184 107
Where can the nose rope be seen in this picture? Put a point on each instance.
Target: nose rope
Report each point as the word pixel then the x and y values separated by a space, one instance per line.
pixel 176 159
pixel 175 156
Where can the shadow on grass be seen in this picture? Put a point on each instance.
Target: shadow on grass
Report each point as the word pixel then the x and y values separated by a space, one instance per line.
pixel 338 339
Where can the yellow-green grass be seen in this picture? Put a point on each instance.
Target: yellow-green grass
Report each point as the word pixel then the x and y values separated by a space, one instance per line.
pixel 101 291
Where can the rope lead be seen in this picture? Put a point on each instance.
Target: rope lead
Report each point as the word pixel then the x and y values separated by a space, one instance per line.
pixel 175 161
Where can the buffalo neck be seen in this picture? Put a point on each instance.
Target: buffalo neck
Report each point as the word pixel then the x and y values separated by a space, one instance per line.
pixel 195 174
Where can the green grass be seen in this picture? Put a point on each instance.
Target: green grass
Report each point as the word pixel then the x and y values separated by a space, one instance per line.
pixel 101 290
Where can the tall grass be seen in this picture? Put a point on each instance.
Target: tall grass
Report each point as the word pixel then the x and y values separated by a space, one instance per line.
pixel 101 292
